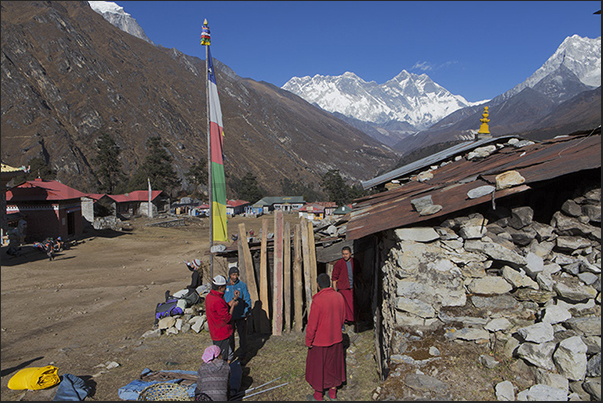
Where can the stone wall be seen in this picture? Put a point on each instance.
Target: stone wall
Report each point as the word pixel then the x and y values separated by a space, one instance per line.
pixel 533 286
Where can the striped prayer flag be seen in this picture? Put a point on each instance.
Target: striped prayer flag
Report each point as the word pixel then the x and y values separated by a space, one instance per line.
pixel 216 131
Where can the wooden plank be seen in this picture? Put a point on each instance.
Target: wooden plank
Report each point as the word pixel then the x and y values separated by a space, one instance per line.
pixel 312 254
pixel 298 298
pixel 277 273
pixel 307 263
pixel 264 309
pixel 247 272
pixel 287 276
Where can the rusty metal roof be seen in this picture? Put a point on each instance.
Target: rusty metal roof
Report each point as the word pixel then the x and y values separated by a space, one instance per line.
pixel 433 159
pixel 450 183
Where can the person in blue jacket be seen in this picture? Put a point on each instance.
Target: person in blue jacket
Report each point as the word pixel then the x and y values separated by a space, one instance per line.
pixel 241 311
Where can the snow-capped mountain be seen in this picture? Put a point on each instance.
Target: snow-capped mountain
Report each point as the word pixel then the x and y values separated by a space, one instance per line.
pixel 118 17
pixel 575 56
pixel 408 97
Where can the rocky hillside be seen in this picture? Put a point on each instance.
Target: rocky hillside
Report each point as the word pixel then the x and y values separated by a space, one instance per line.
pixel 68 76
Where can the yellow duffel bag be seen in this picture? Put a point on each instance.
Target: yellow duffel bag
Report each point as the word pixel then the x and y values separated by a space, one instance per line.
pixel 34 378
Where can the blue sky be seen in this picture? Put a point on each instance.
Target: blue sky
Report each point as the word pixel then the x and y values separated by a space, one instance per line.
pixel 477 49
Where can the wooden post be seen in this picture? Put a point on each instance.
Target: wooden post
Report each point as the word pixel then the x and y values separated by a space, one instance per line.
pixel 312 254
pixel 264 318
pixel 297 279
pixel 287 276
pixel 330 270
pixel 277 281
pixel 307 263
pixel 247 272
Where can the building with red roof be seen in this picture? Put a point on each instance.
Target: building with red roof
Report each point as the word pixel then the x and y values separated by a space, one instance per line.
pixel 51 208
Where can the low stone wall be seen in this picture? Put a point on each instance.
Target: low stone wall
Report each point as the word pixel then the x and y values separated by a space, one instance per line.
pixel 533 286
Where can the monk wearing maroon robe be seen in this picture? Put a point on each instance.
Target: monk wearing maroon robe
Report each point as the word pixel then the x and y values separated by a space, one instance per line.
pixel 345 273
pixel 325 366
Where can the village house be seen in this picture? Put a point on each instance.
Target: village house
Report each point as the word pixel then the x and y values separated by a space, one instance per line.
pixel 497 219
pixel 270 203
pixel 137 203
pixel 317 210
pixel 51 209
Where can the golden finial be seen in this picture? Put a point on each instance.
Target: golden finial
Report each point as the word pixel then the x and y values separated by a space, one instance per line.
pixel 484 129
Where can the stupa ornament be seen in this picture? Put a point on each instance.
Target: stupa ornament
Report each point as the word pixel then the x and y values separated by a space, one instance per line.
pixel 484 129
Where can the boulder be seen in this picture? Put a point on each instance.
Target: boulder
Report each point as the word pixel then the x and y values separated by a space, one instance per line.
pixel 421 202
pixel 587 325
pixel 574 292
pixel 508 179
pixel 571 208
pixel 498 324
pixel 538 354
pixel 551 379
pixel 429 210
pixel 166 323
pixel 474 228
pixel 546 393
pixel 518 278
pixel 505 391
pixel 418 234
pixel 538 333
pixel 489 285
pixel 415 306
pixel 555 314
pixel 593 366
pixel 496 252
pixel 570 358
pixel 480 191
pixel 521 216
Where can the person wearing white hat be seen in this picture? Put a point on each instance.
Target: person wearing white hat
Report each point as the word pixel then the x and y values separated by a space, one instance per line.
pixel 219 316
pixel 197 277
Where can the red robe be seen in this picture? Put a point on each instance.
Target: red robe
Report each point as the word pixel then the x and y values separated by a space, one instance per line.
pixel 325 367
pixel 340 274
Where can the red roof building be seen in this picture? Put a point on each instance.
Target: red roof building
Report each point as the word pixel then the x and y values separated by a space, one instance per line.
pixel 51 208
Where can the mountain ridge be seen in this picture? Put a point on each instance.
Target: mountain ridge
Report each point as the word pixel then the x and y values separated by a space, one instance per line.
pixel 68 75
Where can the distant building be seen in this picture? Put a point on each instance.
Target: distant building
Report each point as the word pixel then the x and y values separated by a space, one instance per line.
pixel 317 210
pixel 285 203
pixel 236 207
pixel 137 203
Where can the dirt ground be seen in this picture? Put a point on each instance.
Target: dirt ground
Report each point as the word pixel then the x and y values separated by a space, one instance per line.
pixel 91 304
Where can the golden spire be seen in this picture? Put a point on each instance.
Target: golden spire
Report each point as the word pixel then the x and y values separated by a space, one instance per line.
pixel 484 129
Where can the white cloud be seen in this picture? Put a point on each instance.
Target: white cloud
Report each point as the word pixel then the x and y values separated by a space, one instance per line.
pixel 424 66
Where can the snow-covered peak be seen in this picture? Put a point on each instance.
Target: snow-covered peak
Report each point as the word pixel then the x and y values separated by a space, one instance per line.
pixel 581 56
pixel 408 97
pixel 107 7
pixel 115 14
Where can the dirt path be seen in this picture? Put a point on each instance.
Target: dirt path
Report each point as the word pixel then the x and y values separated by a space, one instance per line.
pixel 92 303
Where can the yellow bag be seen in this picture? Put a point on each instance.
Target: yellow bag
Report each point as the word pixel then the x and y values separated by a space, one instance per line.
pixel 34 378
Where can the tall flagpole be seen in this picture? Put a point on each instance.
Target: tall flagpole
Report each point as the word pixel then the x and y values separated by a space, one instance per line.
pixel 209 178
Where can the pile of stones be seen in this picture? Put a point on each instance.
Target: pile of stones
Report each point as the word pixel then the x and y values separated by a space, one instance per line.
pixel 533 287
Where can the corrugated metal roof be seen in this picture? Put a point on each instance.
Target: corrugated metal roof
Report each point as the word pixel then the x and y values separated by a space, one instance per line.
pixel 450 183
pixel 432 159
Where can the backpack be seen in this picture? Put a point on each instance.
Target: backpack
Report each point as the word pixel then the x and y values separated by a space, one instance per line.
pixel 192 297
pixel 168 308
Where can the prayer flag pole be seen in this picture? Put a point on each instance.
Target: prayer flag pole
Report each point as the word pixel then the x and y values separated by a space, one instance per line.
pixel 206 41
pixel 215 135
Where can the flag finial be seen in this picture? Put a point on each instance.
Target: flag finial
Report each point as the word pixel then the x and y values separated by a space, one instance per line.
pixel 205 36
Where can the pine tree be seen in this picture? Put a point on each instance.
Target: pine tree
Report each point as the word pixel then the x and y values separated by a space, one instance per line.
pixel 337 190
pixel 197 175
pixel 247 188
pixel 158 167
pixel 38 167
pixel 109 172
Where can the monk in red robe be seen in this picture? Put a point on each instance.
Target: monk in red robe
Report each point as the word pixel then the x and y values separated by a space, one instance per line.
pixel 325 366
pixel 345 273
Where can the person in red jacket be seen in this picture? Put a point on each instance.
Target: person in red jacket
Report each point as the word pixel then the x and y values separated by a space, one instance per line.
pixel 219 315
pixel 325 366
pixel 346 272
